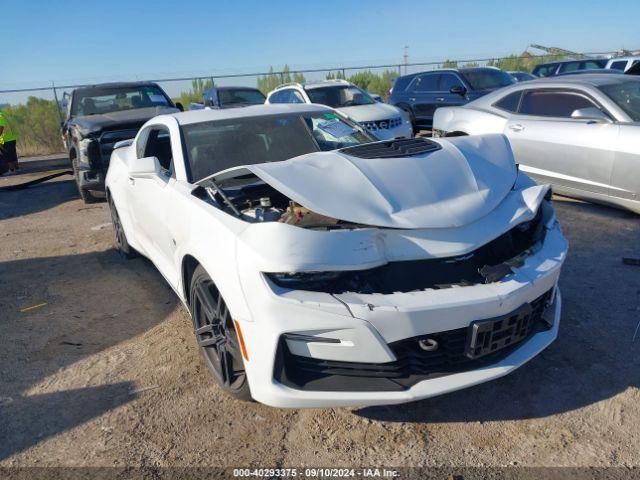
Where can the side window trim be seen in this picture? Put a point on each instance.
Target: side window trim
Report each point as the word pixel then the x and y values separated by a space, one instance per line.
pixel 570 91
pixel 517 110
pixel 416 81
pixel 142 139
pixel 171 171
pixel 457 77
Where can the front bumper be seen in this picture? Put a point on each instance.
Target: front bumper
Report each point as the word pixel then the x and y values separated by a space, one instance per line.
pixel 366 325
pixel 91 179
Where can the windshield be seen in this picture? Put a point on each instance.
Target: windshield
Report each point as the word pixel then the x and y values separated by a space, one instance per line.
pixel 247 96
pixel 487 79
pixel 339 96
pixel 626 95
pixel 221 144
pixel 106 100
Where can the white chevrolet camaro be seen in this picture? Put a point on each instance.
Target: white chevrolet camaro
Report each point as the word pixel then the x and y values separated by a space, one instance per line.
pixel 322 268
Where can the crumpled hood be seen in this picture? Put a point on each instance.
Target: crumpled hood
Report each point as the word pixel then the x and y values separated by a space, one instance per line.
pixel 92 123
pixel 450 187
pixel 369 113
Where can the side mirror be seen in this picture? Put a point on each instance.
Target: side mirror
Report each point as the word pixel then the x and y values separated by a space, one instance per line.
pixel 458 90
pixel 591 113
pixel 145 167
pixel 179 106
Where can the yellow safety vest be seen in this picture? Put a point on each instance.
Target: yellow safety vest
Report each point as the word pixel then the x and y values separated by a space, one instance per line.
pixel 7 132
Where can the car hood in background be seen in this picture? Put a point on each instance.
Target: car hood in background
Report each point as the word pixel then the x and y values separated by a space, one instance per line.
pixel 369 113
pixel 450 187
pixel 91 123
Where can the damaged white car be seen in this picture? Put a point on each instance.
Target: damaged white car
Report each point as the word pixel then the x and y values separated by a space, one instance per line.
pixel 322 268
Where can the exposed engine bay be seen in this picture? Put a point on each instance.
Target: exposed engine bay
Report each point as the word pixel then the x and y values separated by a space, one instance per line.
pixel 255 201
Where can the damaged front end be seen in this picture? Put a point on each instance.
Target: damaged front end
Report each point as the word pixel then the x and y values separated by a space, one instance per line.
pixel 487 264
pixel 249 198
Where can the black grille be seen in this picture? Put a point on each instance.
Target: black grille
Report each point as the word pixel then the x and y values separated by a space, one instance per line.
pixel 413 364
pixel 405 147
pixel 382 124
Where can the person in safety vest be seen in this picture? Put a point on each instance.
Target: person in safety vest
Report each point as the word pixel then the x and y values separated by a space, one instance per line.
pixel 8 154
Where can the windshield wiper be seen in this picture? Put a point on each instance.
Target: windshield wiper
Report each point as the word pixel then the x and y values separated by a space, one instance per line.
pixel 213 189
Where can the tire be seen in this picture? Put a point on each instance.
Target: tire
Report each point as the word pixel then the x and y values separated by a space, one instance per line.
pixel 85 195
pixel 216 335
pixel 122 244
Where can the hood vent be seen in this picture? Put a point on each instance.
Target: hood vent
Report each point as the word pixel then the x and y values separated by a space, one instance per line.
pixel 405 147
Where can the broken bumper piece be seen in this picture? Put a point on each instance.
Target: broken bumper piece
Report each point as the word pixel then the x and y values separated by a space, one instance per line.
pixel 317 349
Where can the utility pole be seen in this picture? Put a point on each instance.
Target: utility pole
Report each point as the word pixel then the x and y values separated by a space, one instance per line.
pixel 406 58
pixel 55 96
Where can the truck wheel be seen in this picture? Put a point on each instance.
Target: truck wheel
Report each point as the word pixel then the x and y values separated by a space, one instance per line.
pixel 85 195
pixel 217 336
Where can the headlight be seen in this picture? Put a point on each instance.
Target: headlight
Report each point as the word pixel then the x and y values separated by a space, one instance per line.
pixel 88 149
pixel 305 280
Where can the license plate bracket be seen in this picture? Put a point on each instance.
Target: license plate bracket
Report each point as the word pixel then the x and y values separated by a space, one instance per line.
pixel 491 335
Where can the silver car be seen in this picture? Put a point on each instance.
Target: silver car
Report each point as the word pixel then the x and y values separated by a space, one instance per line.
pixel 580 133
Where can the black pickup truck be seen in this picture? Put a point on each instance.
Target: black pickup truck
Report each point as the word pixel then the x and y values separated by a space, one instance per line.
pixel 98 117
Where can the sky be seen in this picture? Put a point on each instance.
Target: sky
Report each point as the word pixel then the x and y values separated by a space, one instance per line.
pixel 87 41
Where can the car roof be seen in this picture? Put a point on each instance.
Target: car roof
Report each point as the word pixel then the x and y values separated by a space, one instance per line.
pixel 325 83
pixel 593 79
pixel 115 85
pixel 630 57
pixel 562 81
pixel 450 70
pixel 206 115
pixel 232 87
pixel 558 62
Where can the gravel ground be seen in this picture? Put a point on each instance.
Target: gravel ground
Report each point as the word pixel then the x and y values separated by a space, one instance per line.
pixel 106 372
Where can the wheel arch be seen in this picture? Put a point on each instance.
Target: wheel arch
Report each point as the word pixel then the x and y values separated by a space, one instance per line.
pixel 188 266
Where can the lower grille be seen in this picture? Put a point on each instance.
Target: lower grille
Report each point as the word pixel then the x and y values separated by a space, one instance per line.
pixel 413 363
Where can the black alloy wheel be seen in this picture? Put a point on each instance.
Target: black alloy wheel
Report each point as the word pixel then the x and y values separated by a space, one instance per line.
pixel 216 335
pixel 121 238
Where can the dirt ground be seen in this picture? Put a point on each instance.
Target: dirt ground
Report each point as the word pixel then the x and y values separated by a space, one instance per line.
pixel 106 372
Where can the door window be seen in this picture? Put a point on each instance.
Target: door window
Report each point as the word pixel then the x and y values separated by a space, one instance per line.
pixel 553 103
pixel 278 97
pixel 570 67
pixel 288 95
pixel 159 145
pixel 509 102
pixel 296 97
pixel 426 83
pixel 546 70
pixel 448 81
pixel 620 65
pixel 590 65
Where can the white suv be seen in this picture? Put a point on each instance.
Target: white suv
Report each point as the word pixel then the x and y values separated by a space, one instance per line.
pixel 622 63
pixel 382 120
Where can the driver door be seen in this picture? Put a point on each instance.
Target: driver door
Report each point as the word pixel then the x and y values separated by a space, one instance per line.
pixel 150 199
